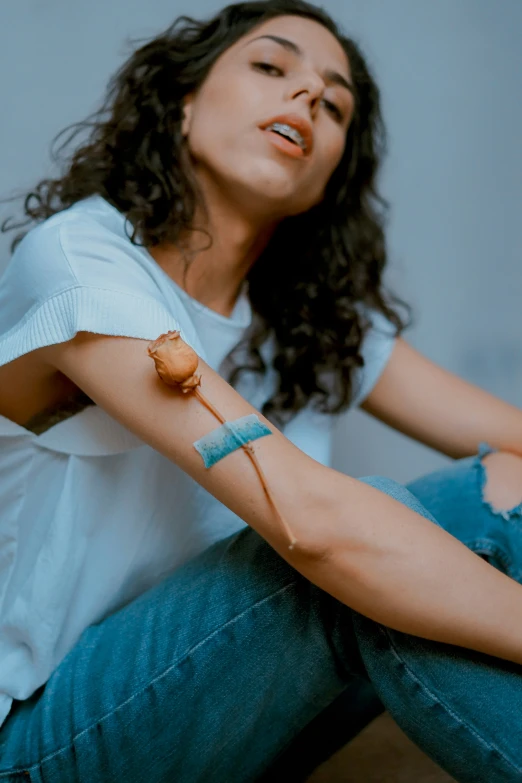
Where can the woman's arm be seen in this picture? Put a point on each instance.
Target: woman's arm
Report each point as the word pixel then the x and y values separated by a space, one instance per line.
pixel 358 544
pixel 417 397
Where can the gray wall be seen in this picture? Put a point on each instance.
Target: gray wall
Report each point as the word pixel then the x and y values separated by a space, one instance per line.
pixel 450 73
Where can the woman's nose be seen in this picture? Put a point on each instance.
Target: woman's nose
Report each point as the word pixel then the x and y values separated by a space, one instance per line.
pixel 308 89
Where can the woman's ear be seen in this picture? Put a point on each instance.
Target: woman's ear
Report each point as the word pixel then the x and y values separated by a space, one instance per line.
pixel 187 115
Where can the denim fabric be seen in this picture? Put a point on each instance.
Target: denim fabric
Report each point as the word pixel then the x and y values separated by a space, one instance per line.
pixel 230 668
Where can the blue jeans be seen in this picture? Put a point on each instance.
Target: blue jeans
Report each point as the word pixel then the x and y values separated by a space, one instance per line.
pixel 236 668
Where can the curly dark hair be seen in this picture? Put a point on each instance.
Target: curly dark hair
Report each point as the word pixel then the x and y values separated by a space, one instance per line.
pixel 328 262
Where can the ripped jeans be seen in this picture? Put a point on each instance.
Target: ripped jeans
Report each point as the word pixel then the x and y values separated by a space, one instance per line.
pixel 235 668
pixel 455 497
pixel 496 534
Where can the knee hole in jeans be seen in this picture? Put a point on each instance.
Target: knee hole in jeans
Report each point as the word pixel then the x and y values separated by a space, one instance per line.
pixel 503 482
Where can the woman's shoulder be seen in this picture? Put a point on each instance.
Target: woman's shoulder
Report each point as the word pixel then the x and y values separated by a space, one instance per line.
pixel 78 245
pixel 82 252
pixel 79 271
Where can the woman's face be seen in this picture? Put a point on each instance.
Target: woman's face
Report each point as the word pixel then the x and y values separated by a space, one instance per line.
pixel 303 81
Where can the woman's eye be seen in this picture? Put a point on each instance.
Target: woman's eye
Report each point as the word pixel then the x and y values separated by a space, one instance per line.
pixel 268 68
pixel 273 70
pixel 333 109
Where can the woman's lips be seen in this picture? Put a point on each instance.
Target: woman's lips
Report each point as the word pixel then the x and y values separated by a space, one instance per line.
pixel 298 123
pixel 284 145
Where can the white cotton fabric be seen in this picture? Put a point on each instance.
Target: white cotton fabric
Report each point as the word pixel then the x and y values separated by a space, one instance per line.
pixel 90 515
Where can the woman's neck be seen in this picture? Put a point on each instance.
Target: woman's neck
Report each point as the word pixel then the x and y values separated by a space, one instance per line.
pixel 214 275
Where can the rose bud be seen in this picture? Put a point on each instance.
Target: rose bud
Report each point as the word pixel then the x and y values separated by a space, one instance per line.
pixel 176 362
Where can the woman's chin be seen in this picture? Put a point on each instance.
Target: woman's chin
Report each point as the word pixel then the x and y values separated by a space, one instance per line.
pixel 278 194
pixel 271 176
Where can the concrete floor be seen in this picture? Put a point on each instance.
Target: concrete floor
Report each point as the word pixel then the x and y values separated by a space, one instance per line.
pixel 381 753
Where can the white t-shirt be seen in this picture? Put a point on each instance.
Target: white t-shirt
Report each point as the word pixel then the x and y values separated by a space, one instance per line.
pixel 90 515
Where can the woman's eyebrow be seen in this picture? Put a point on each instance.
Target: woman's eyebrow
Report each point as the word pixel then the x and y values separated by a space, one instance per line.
pixel 331 76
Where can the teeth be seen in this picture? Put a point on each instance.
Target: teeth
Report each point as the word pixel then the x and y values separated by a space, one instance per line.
pixel 287 130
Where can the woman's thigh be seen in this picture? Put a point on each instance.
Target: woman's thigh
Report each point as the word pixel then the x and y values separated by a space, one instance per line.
pixel 214 672
pixel 462 708
pixel 205 677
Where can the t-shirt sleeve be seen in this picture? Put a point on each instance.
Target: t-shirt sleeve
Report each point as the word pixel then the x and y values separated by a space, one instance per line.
pixel 376 350
pixel 74 275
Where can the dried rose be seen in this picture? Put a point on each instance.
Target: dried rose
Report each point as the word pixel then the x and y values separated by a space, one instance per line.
pixel 176 362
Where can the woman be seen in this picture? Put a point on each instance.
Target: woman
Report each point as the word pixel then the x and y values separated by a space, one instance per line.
pixel 155 624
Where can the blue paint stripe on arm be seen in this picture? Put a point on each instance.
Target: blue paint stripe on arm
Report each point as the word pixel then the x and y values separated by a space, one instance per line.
pixel 230 437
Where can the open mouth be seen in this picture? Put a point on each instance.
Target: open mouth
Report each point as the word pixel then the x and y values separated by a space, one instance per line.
pixel 289 133
pixel 287 140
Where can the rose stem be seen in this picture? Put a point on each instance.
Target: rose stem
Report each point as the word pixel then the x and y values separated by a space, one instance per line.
pixel 250 452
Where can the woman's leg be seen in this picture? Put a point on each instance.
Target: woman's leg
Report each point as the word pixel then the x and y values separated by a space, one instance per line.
pixel 478 501
pixel 205 677
pixel 356 707
pixel 212 673
pixel 462 707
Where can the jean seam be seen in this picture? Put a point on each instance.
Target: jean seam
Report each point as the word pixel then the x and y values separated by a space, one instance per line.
pixel 233 620
pixel 472 730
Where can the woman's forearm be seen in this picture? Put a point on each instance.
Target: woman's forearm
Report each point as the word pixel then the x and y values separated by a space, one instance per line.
pixel 398 568
pixel 358 544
